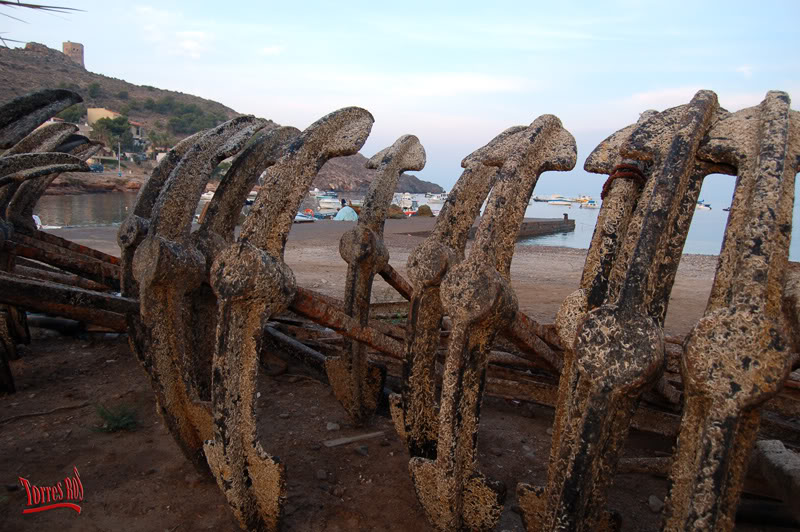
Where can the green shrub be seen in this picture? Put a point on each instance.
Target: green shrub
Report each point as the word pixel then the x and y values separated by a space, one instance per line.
pixel 396 212
pixel 94 90
pixel 116 419
pixel 424 210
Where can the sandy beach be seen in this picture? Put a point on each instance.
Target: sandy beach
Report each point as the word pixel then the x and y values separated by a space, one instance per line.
pixel 542 276
pixel 139 480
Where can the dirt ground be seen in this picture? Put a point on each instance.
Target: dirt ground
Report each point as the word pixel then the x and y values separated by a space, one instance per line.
pixel 140 481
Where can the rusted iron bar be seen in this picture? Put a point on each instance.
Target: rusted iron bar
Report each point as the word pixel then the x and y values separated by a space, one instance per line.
pixel 37 295
pixel 526 334
pixel 307 304
pixel 655 465
pixel 311 358
pixel 386 329
pixel 100 272
pixel 396 281
pixel 56 240
pixel 61 278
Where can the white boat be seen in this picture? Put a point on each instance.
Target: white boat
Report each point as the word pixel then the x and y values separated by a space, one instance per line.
pixel 329 203
pixel 581 199
pixel 207 195
pixel 317 193
pixel 591 204
pixel 407 201
pixel 703 205
pixel 559 202
pixel 302 218
pixel 431 199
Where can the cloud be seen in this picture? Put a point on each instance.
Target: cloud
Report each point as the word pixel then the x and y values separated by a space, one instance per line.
pixel 745 70
pixel 171 31
pixel 272 50
pixel 661 99
pixel 414 84
pixel 191 43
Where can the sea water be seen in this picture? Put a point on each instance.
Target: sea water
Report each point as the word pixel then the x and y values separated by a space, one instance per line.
pixel 705 234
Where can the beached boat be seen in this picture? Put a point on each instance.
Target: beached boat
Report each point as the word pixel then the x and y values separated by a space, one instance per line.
pixel 302 218
pixel 431 199
pixel 329 203
pixel 207 195
pixel 406 201
pixel 317 193
pixel 591 204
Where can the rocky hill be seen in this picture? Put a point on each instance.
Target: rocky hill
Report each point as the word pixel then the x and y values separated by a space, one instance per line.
pixel 350 174
pixel 35 67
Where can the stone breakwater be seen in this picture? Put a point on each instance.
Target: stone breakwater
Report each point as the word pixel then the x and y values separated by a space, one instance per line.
pixel 95 183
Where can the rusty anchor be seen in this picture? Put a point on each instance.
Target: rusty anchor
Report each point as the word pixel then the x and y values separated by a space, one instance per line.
pixel 618 347
pixel 737 357
pixel 252 283
pixel 170 271
pixel 357 384
pixel 414 411
pixel 477 295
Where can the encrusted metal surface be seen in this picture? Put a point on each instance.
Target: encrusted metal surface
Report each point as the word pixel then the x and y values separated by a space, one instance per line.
pixel 477 295
pixel 30 156
pixel 357 384
pixel 202 307
pixel 252 283
pixel 618 345
pixel 737 356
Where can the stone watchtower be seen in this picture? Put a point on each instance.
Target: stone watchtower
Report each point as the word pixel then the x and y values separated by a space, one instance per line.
pixel 74 50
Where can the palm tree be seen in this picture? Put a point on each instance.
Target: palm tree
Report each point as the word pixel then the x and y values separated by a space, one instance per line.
pixel 25 5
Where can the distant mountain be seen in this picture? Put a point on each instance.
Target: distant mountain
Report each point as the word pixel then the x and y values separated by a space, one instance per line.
pixel 170 113
pixel 350 174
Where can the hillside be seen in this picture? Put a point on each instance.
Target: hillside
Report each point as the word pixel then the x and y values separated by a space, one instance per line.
pixel 35 67
pixel 351 174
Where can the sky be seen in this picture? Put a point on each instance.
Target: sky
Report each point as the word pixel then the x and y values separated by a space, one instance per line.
pixel 455 74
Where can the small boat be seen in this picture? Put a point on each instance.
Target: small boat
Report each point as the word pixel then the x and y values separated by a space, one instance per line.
pixel 329 203
pixel 581 199
pixel 702 205
pixel 591 204
pixel 435 198
pixel 407 201
pixel 559 202
pixel 540 199
pixel 325 194
pixel 302 218
pixel 207 195
pixel 412 209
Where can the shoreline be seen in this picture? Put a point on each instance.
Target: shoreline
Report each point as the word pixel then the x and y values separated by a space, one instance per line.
pixel 107 233
pixel 542 276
